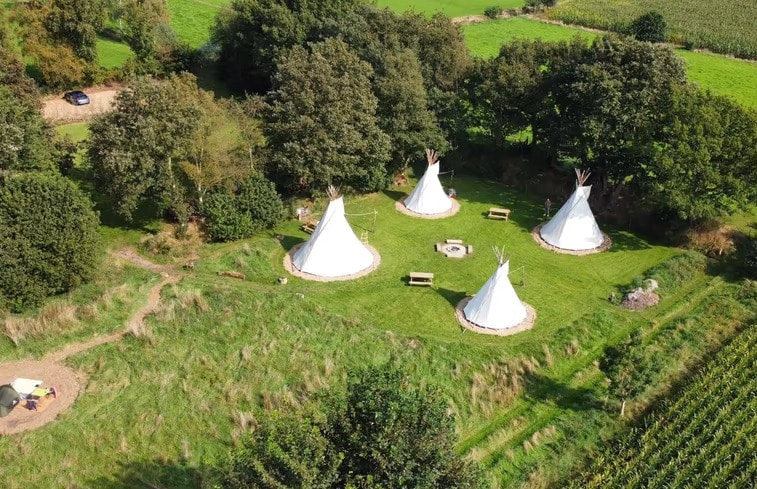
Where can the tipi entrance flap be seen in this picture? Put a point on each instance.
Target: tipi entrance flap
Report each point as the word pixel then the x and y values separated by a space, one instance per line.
pixel 496 305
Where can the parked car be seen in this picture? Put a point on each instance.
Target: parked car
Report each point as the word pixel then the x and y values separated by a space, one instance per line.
pixel 76 97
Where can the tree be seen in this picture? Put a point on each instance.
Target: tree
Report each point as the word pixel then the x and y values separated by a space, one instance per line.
pixel 135 150
pixel 142 19
pixel 224 221
pixel 650 27
pixel 257 197
pixel 625 366
pixel 76 23
pixel 403 112
pixel 322 127
pixel 381 433
pixel 49 239
pixel 24 144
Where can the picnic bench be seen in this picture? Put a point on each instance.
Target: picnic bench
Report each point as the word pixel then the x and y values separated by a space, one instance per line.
pixel 497 213
pixel 309 226
pixel 421 278
pixel 454 241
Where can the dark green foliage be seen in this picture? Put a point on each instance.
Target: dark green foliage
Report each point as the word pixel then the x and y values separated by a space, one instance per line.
pixel 135 150
pixel 534 5
pixel 285 452
pixel 627 368
pixel 49 241
pixel 493 11
pixel 322 127
pixel 748 251
pixel 253 206
pixel 257 197
pixel 650 27
pixel 674 272
pixel 224 221
pixel 76 23
pixel 382 433
pixel 25 136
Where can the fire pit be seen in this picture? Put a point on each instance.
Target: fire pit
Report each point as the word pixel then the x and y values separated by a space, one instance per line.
pixel 454 248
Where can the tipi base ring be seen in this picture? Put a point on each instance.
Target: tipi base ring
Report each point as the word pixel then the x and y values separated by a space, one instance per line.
pixel 289 266
pixel 606 244
pixel 400 206
pixel 527 323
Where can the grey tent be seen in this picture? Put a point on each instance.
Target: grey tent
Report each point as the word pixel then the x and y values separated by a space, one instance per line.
pixel 8 399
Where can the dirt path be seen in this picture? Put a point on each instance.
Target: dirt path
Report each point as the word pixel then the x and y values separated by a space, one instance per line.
pixel 69 383
pixel 57 110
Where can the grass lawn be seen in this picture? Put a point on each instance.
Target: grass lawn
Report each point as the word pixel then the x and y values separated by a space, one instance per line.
pixel 112 54
pixel 451 8
pixel 160 408
pixel 192 19
pixel 485 38
pixel 77 132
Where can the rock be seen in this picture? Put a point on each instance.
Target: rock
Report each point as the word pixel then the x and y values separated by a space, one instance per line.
pixel 639 299
pixel 650 285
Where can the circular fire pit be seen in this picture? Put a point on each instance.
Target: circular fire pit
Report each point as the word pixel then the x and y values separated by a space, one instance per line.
pixel 453 250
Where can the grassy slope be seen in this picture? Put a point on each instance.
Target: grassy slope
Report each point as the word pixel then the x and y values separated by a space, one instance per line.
pixel 160 407
pixel 192 19
pixel 720 74
pixel 452 8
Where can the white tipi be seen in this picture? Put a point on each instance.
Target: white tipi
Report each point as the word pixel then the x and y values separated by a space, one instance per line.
pixel 496 305
pixel 333 250
pixel 574 226
pixel 428 197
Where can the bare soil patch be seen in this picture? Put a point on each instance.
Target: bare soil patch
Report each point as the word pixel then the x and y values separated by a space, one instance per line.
pixel 101 100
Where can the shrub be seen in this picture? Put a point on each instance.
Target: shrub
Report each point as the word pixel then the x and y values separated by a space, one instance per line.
pixel 257 196
pixel 223 219
pixel 49 240
pixel 650 27
pixel 493 12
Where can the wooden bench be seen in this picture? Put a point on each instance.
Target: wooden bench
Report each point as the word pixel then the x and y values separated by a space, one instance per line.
pixel 497 213
pixel 455 241
pixel 421 278
pixel 309 227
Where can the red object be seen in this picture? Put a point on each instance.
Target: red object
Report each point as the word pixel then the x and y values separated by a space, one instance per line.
pixel 54 390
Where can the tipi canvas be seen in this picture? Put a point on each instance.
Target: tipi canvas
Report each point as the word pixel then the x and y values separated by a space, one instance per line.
pixel 428 197
pixel 333 250
pixel 496 305
pixel 574 226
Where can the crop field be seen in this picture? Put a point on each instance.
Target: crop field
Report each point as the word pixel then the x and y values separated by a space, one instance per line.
pixel 723 27
pixel 722 75
pixel 451 8
pixel 705 437
pixel 166 402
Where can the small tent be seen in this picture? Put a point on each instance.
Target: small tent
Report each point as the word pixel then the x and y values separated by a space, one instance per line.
pixel 8 399
pixel 574 226
pixel 333 250
pixel 428 197
pixel 496 305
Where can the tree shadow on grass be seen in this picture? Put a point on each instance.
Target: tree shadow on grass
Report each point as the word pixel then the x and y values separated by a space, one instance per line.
pixel 395 195
pixel 625 241
pixel 289 242
pixel 452 296
pixel 151 474
pixel 546 389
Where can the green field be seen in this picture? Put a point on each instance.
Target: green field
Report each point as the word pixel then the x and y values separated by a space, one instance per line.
pixel 164 405
pixel 451 8
pixel 725 28
pixel 112 54
pixel 722 75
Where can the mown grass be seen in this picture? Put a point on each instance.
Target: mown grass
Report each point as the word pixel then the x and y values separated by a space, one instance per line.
pixel 192 19
pixel 76 132
pixel 485 38
pixel 729 28
pixel 112 54
pixel 160 409
pixel 722 75
pixel 451 8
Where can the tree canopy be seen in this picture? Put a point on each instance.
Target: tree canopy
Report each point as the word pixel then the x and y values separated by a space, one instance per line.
pixel 322 127
pixel 382 432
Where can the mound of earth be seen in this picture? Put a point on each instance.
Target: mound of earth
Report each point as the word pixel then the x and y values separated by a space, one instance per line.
pixel 639 299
